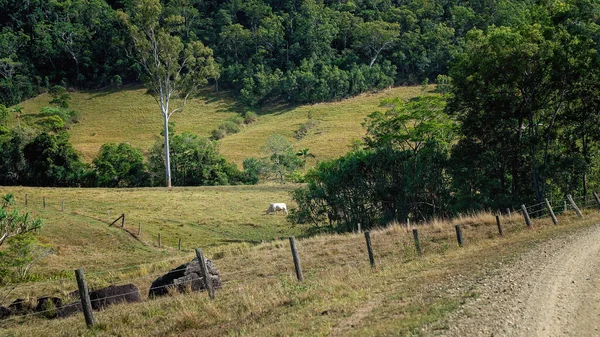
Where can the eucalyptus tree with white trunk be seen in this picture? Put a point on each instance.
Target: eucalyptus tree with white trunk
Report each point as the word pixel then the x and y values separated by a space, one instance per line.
pixel 171 70
pixel 376 36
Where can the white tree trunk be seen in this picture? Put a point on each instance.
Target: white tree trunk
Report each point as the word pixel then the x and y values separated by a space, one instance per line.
pixel 167 154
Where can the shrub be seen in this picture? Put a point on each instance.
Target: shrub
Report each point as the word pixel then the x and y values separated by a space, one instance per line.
pixel 120 165
pixel 255 169
pixel 239 120
pixel 229 127
pixel 218 134
pixel 306 128
pixel 51 123
pixel 195 161
pixel 68 116
pixel 250 117
pixel 60 96
pixel 444 84
pixel 51 160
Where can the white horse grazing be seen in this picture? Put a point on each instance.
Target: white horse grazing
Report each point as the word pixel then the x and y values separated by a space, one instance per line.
pixel 279 206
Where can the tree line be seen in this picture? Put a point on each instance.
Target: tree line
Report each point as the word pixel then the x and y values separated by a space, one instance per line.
pixel 297 51
pixel 519 124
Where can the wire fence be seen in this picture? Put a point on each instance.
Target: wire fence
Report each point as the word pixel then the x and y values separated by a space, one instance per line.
pixel 343 250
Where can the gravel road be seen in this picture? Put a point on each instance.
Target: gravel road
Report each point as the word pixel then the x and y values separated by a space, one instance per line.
pixel 553 290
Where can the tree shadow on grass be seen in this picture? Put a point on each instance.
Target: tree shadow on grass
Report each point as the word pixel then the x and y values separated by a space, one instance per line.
pixel 107 91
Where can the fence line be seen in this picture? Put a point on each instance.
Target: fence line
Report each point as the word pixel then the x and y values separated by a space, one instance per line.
pixel 382 243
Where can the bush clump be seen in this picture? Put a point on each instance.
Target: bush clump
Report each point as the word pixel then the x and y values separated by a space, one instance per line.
pixel 250 117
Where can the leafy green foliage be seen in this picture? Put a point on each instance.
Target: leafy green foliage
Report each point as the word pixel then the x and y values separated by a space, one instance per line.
pixel 52 123
pixel 400 175
pixel 73 43
pixel 120 165
pixel 23 252
pixel 60 96
pixel 521 95
pixel 4 113
pixel 13 223
pixel 196 161
pixel 282 158
pixel 443 84
pixel 256 169
pixel 374 187
pixel 410 125
pixel 300 52
pixel 52 161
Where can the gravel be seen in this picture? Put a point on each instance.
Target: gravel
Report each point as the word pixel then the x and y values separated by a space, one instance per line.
pixel 553 290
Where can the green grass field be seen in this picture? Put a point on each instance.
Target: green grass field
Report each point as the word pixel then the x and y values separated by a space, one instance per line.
pixel 129 115
pixel 201 216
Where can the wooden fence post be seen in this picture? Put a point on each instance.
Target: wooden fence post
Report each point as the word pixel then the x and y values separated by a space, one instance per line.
pixel 526 216
pixel 26 199
pixel 554 219
pixel 139 228
pixel 108 216
pixel 370 249
pixel 508 211
pixel 63 205
pixel 359 230
pixel 417 242
pixel 44 201
pixel 565 205
pixel 86 304
pixel 574 205
pixel 498 224
pixel 159 240
pixel 596 197
pixel 459 235
pixel 296 259
pixel 123 220
pixel 205 273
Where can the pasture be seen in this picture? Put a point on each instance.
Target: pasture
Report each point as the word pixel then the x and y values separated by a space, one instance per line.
pixel 341 294
pixel 129 115
pixel 201 216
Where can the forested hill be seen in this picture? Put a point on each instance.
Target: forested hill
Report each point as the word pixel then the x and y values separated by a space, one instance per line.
pixel 296 50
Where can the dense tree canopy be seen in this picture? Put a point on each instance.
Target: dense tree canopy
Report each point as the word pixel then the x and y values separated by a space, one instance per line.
pixel 520 125
pixel 298 51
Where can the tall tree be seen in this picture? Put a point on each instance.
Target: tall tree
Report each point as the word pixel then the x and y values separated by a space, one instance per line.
pixel 171 71
pixel 376 36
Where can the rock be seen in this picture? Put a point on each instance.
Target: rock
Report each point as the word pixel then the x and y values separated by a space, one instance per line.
pixel 4 312
pixel 47 305
pixel 186 276
pixel 69 309
pixel 20 306
pixel 108 296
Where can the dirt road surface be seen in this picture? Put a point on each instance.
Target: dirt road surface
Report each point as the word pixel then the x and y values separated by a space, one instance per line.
pixel 553 290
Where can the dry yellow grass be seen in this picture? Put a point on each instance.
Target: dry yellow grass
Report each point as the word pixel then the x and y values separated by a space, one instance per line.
pixel 129 115
pixel 341 295
pixel 338 123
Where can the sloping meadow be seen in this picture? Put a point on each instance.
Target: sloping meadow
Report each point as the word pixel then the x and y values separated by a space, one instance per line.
pixel 342 293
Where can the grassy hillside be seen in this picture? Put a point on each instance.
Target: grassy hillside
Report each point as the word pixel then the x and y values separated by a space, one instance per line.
pixel 129 115
pixel 341 294
pixel 201 216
